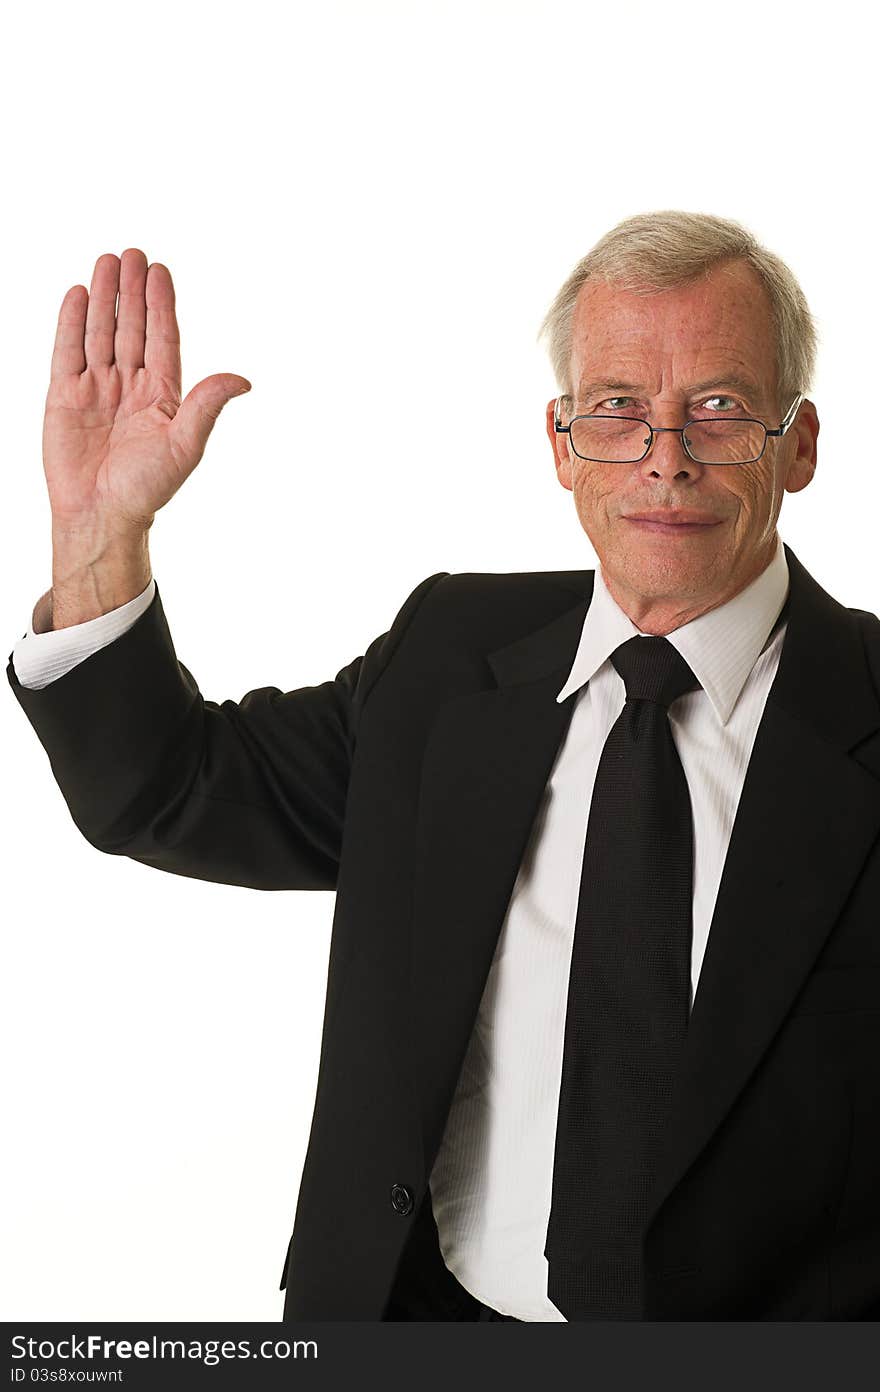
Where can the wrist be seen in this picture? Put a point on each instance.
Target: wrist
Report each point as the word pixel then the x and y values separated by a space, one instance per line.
pixel 93 572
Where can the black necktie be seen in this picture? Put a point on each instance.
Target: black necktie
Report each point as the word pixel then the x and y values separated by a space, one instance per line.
pixel 628 995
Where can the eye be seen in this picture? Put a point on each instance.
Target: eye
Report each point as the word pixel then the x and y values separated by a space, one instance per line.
pixel 733 404
pixel 609 401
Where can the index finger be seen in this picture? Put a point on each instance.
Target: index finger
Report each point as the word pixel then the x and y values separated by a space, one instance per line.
pixel 68 354
pixel 162 346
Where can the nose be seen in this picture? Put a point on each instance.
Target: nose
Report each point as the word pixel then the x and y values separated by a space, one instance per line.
pixel 667 458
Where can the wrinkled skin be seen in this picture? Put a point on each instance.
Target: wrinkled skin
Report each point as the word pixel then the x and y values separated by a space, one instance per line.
pixel 663 343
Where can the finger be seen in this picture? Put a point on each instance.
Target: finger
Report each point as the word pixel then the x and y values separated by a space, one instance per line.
pixel 68 354
pixel 198 413
pixel 162 345
pixel 101 314
pixel 131 321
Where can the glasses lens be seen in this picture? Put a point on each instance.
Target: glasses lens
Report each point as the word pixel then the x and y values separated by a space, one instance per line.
pixel 725 441
pixel 611 439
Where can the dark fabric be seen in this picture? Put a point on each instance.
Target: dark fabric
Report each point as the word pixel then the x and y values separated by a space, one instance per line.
pixel 409 784
pixel 424 1287
pixel 628 995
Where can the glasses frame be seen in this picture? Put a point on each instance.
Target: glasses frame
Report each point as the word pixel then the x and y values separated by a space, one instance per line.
pixel 676 430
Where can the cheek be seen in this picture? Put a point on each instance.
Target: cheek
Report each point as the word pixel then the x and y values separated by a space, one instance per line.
pixel 593 489
pixel 755 492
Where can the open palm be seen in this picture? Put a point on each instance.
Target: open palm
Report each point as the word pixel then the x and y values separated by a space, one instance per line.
pixel 117 440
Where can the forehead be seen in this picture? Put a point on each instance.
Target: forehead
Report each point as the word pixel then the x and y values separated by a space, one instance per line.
pixel 722 321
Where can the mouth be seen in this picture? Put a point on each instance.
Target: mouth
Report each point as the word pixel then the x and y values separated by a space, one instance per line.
pixel 672 522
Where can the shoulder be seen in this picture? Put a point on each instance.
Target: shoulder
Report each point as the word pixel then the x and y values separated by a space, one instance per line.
pixel 869 625
pixel 449 624
pixel 818 607
pixel 485 609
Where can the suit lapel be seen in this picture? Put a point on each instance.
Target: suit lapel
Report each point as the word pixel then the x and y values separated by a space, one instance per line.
pixel 487 760
pixel 806 820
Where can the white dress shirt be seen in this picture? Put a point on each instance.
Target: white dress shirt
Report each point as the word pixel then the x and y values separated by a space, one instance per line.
pixel 492 1179
pixel 491 1183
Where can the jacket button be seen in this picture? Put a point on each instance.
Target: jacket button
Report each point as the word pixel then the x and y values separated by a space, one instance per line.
pixel 401 1199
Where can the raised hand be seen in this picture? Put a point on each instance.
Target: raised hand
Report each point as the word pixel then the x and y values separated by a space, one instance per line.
pixel 117 440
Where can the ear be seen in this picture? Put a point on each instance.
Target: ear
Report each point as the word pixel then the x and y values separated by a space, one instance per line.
pixel 802 466
pixel 559 443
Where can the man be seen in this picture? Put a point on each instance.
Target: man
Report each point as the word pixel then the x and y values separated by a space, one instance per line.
pixel 603 1004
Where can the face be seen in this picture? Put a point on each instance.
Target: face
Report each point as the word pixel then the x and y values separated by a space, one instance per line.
pixel 655 348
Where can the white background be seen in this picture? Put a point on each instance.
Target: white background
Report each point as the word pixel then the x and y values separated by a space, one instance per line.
pixel 366 209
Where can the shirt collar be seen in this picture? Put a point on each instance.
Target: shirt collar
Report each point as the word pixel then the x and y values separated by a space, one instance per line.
pixel 720 646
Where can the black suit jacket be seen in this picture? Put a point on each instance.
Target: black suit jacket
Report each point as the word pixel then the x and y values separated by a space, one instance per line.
pixel 409 784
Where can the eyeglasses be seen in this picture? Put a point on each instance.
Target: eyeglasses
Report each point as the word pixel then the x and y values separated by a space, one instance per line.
pixel 622 439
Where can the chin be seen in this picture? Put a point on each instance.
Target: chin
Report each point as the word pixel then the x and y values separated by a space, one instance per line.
pixel 658 576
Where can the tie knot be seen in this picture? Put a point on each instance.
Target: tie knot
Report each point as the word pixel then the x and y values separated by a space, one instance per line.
pixel 653 670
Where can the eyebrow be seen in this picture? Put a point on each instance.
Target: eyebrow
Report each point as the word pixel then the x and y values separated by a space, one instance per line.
pixel 741 385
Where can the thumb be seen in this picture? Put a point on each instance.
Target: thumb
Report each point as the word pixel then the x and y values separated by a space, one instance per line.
pixel 200 408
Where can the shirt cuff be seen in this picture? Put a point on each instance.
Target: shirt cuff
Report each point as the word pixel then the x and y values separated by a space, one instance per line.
pixel 40 658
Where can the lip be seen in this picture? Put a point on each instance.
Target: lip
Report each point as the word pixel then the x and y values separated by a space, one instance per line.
pixel 673 521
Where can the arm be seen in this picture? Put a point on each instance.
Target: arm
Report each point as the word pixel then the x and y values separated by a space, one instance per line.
pixel 249 793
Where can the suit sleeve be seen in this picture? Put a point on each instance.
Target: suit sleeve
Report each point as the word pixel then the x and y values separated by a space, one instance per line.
pixel 248 792
pixel 40 658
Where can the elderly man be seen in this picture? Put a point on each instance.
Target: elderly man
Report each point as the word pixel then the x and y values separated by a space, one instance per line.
pixel 603 1005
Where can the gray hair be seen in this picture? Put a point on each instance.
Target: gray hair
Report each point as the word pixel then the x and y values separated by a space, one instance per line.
pixel 659 251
